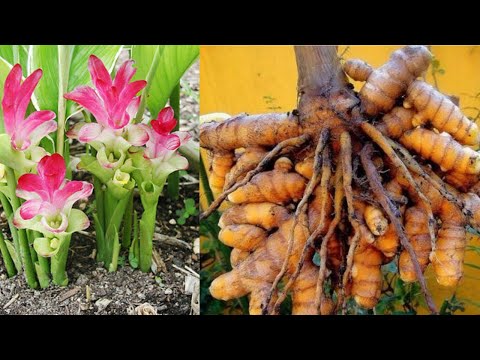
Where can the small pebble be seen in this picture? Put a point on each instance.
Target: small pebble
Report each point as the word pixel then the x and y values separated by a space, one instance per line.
pixel 172 222
pixel 168 291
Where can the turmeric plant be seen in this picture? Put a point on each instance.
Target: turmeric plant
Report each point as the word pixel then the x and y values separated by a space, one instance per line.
pixel 321 197
pixel 42 87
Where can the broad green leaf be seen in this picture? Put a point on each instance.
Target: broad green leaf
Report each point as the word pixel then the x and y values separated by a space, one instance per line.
pixel 46 58
pixel 6 53
pixel 174 62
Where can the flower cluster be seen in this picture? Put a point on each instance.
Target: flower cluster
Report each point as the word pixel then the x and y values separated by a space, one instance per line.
pixel 49 199
pixel 114 104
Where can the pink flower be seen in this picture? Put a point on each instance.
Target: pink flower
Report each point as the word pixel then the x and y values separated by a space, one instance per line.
pixel 162 143
pixel 161 148
pixel 24 132
pixel 50 196
pixel 113 103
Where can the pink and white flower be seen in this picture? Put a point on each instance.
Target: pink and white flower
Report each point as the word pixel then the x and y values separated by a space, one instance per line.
pixel 114 104
pixel 161 148
pixel 24 133
pixel 50 198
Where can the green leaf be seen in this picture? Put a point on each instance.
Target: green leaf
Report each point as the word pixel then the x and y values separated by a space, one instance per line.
pixel 14 255
pixel 189 204
pixel 46 58
pixel 6 53
pixel 132 259
pixel 181 220
pixel 158 280
pixel 174 62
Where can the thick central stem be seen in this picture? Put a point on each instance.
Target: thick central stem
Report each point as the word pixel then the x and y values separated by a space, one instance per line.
pixel 319 70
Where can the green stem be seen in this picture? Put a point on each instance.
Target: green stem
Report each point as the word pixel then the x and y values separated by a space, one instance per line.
pixel 42 265
pixel 149 195
pixel 43 271
pixel 29 268
pixel 7 208
pixel 151 73
pixel 206 186
pixel 135 235
pixel 147 229
pixel 59 263
pixel 100 200
pixel 174 178
pixel 88 119
pixel 115 207
pixel 7 259
pixel 31 239
pixel 64 60
pixel 16 54
pixel 99 218
pixel 127 224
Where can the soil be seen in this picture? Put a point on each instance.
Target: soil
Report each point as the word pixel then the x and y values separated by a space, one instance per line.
pixel 93 290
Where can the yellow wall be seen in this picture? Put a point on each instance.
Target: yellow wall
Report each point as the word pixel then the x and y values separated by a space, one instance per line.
pixel 257 79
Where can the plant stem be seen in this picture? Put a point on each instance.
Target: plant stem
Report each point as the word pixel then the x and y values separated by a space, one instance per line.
pixel 16 54
pixel 29 268
pixel 43 269
pixel 31 239
pixel 9 214
pixel 88 119
pixel 127 224
pixel 7 259
pixel 174 178
pixel 115 207
pixel 99 218
pixel 64 60
pixel 149 198
pixel 151 73
pixel 147 229
pixel 206 185
pixel 59 263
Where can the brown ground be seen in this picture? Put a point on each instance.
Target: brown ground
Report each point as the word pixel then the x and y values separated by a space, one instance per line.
pixel 121 292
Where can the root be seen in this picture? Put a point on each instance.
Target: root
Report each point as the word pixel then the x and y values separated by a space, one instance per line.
pixel 301 208
pixel 346 158
pixel 393 213
pixel 280 149
pixel 383 143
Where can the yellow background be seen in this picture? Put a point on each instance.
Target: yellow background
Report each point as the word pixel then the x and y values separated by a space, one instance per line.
pixel 257 79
